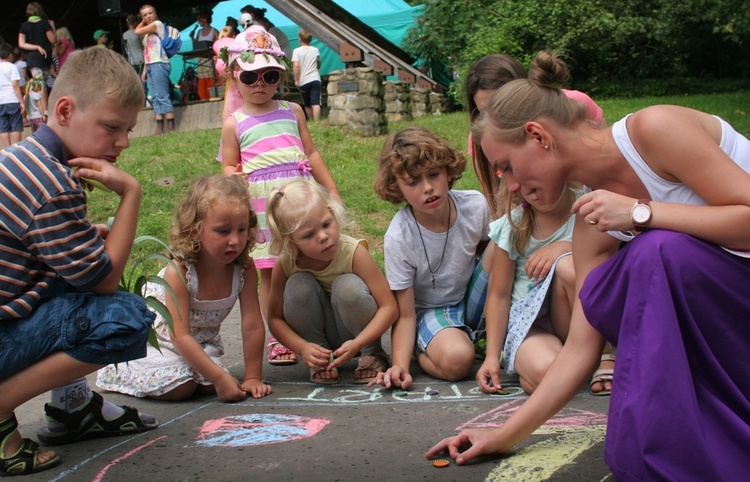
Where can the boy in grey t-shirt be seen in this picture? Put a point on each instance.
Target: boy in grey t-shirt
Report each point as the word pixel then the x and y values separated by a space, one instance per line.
pixel 432 251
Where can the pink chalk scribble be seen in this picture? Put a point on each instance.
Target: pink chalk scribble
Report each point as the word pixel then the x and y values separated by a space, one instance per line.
pixel 567 417
pixel 103 472
pixel 257 429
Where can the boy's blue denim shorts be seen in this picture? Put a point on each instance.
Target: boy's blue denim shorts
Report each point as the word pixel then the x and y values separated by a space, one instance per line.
pixel 95 329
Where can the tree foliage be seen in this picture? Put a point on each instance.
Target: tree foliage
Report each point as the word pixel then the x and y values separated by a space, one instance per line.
pixel 611 45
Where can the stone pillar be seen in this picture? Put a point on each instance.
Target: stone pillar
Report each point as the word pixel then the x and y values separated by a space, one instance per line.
pixel 437 103
pixel 355 100
pixel 420 101
pixel 397 101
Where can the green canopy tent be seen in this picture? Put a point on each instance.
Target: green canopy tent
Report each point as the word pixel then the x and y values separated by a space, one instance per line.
pixel 390 18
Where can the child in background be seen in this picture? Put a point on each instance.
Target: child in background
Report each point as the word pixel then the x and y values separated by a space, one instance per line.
pixel 36 99
pixel 211 239
pixel 65 44
pixel 54 70
pixel 533 310
pixel 432 251
pixel 11 99
pixel 232 23
pixel 306 65
pixel 132 44
pixel 157 68
pixel 329 301
pixel 189 86
pixel 101 39
pixel 226 31
pixel 19 59
pixel 266 141
pixel 225 39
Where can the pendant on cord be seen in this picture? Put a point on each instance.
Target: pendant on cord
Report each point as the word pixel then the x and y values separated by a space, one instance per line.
pixel 424 246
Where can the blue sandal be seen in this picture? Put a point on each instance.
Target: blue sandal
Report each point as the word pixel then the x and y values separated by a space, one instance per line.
pixel 89 422
pixel 24 460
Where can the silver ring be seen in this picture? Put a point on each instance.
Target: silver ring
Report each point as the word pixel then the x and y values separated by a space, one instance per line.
pixel 593 223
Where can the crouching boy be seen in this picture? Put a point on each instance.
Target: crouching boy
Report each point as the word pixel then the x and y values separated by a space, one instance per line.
pixel 61 316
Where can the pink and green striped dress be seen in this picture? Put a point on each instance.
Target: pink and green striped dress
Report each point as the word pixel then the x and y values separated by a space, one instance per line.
pixel 271 154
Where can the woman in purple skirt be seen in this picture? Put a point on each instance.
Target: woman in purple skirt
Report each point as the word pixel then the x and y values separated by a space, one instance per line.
pixel 675 300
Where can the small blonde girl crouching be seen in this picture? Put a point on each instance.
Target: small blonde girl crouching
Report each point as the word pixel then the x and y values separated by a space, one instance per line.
pixel 329 301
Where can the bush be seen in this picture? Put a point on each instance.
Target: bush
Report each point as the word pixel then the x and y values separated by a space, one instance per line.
pixel 614 47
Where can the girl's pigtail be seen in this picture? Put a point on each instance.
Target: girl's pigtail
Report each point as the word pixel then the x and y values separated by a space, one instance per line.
pixel 507 201
pixel 524 229
pixel 278 238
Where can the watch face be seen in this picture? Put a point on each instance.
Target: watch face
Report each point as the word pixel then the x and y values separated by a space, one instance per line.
pixel 641 213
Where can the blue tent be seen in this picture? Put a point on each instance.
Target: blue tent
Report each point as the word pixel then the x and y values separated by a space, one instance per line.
pixel 390 18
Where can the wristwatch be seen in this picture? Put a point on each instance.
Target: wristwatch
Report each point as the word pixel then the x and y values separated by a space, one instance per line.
pixel 640 214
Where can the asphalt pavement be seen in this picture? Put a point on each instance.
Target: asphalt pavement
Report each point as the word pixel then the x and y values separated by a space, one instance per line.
pixel 345 432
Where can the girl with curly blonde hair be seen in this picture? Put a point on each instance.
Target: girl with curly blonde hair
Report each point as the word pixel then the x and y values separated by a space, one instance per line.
pixel 211 241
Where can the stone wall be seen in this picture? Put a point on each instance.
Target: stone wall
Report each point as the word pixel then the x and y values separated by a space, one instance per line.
pixel 355 101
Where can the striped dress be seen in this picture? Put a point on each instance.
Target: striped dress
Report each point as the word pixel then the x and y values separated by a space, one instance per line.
pixel 271 154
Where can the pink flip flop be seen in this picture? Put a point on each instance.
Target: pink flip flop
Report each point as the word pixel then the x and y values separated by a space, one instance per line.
pixel 274 350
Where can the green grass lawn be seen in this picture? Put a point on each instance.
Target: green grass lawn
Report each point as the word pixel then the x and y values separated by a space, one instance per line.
pixel 351 159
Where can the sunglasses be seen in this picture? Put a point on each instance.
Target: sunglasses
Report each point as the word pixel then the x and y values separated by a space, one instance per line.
pixel 251 78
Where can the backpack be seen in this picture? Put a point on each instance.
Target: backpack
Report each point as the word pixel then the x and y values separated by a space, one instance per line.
pixel 171 43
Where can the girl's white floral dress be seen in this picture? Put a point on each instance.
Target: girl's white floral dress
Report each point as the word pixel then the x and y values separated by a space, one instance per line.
pixel 160 373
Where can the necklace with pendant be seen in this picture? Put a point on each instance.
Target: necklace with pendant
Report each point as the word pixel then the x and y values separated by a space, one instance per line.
pixel 424 247
pixel 533 219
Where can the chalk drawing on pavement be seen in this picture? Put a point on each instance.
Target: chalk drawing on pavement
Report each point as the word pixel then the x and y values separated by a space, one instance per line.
pixel 118 460
pixel 376 395
pixel 573 432
pixel 541 460
pixel 565 418
pixel 257 429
